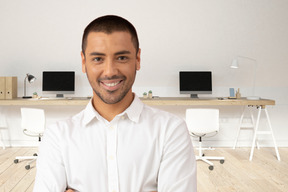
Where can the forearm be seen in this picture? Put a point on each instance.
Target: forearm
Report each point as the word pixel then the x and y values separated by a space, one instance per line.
pixel 50 175
pixel 178 167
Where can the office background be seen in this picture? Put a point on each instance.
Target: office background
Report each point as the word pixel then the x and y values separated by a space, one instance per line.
pixel 174 35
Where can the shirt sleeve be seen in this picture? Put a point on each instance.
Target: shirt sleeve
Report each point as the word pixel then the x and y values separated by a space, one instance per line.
pixel 50 175
pixel 178 165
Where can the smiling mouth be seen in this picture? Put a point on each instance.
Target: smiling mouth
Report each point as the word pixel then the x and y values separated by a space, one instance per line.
pixel 112 84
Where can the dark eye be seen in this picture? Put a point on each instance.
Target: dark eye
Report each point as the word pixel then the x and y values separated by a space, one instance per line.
pixel 121 58
pixel 97 59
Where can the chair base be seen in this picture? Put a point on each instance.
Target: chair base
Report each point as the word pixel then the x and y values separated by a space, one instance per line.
pixel 201 156
pixel 207 158
pixel 32 158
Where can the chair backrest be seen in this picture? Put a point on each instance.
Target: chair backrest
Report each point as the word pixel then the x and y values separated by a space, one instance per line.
pixel 3 121
pixel 202 121
pixel 33 120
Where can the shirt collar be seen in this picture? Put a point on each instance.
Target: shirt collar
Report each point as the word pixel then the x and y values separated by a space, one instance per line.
pixel 90 113
pixel 133 111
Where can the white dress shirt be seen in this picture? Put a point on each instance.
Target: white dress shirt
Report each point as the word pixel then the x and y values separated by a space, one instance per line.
pixel 142 149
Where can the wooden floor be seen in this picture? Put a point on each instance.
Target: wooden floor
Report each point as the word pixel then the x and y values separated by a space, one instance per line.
pixel 264 173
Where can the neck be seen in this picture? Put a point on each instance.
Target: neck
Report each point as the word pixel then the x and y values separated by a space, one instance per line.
pixel 109 111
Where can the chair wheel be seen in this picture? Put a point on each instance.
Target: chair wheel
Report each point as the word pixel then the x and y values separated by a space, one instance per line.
pixel 16 161
pixel 203 155
pixel 27 167
pixel 35 154
pixel 222 161
pixel 211 167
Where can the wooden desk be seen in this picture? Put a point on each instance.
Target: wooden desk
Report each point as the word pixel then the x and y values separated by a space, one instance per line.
pixel 213 101
pixel 45 101
pixel 82 101
pixel 156 101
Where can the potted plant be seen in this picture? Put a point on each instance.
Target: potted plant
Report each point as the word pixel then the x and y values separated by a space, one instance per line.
pixel 150 94
pixel 35 95
pixel 145 95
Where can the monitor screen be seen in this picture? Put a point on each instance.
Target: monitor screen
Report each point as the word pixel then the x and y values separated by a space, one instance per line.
pixel 58 82
pixel 195 82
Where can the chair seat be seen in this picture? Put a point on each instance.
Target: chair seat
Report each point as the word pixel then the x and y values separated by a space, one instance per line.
pixel 202 134
pixel 32 133
pixel 33 125
pixel 200 123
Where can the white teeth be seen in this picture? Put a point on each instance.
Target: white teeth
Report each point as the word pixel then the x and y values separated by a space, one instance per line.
pixel 112 84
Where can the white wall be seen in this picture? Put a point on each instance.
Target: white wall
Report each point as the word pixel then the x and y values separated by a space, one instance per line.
pixel 174 35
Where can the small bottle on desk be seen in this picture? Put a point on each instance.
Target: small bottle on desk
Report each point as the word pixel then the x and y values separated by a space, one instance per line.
pixel 238 94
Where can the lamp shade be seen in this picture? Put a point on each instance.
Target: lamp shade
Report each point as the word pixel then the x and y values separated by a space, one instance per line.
pixel 234 64
pixel 30 78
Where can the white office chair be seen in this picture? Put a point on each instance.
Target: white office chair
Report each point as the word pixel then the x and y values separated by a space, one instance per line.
pixel 3 125
pixel 33 125
pixel 200 123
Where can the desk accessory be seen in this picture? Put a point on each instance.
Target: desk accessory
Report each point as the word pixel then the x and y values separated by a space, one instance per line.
pixel 238 94
pixel 30 79
pixel 231 92
pixel 8 87
pixel 2 87
pixel 35 95
pixel 150 94
pixel 235 65
pixel 145 96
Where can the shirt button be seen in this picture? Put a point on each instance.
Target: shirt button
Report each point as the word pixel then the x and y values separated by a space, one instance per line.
pixel 111 157
pixel 111 127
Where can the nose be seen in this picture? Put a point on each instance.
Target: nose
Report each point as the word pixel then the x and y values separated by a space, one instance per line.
pixel 110 68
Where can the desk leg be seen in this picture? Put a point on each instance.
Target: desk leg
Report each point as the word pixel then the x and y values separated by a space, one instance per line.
pixel 253 123
pixel 255 133
pixel 272 134
pixel 260 108
pixel 241 127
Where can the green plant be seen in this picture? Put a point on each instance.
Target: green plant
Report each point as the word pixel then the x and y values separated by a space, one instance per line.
pixel 150 91
pixel 35 93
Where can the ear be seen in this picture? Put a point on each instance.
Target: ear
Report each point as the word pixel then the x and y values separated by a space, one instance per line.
pixel 83 62
pixel 138 59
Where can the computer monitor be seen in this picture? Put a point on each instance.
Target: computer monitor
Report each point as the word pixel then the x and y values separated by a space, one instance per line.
pixel 195 82
pixel 58 82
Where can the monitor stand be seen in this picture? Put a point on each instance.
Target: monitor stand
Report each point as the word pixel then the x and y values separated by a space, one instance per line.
pixel 194 96
pixel 27 97
pixel 60 95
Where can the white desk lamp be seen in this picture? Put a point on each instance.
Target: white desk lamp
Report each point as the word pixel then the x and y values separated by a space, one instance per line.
pixel 235 65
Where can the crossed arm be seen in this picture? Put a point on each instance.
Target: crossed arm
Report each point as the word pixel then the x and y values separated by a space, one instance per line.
pixel 70 190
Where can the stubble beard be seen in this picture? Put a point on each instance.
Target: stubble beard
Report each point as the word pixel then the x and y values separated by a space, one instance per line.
pixel 111 97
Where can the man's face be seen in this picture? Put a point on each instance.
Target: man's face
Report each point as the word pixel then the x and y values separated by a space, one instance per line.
pixel 110 63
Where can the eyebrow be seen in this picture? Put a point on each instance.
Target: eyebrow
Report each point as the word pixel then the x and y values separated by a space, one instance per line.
pixel 122 52
pixel 103 54
pixel 96 53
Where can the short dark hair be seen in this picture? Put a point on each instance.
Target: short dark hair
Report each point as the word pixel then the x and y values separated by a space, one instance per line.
pixel 108 24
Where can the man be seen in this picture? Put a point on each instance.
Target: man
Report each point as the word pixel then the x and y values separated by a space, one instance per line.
pixel 116 143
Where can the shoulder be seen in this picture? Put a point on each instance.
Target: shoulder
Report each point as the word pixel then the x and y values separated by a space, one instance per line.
pixel 160 118
pixel 66 125
pixel 158 114
pixel 172 129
